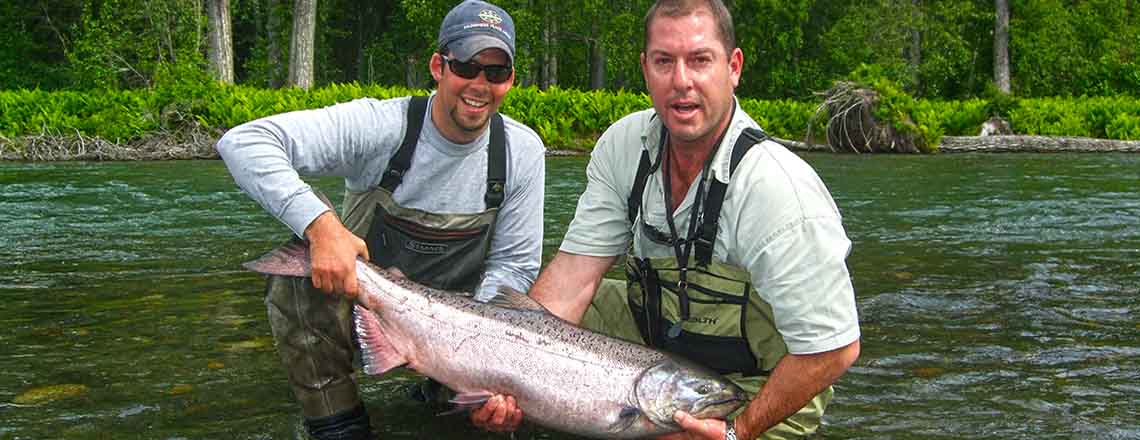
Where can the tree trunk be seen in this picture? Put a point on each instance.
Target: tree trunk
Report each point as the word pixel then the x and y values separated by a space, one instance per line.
pixel 1001 46
pixel 221 49
pixel 916 44
pixel 597 66
pixel 303 42
pixel 597 58
pixel 273 44
pixel 414 72
pixel 549 51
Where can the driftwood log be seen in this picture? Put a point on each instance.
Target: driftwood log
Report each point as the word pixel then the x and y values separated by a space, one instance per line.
pixel 1035 144
pixel 1000 144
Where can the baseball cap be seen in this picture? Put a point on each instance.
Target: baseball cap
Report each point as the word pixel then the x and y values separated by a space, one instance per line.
pixel 473 26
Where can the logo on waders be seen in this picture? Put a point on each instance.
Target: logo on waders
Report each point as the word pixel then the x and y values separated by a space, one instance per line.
pixel 702 320
pixel 420 247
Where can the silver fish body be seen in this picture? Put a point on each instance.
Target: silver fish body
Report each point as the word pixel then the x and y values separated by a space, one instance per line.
pixel 563 376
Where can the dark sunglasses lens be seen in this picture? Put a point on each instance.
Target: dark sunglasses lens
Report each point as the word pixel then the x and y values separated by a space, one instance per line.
pixel 497 74
pixel 470 69
pixel 464 70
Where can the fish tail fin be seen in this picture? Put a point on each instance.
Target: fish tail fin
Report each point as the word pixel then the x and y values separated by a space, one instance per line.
pixel 290 259
pixel 376 351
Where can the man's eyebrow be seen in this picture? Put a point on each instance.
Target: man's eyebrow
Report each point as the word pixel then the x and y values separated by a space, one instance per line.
pixel 697 51
pixel 701 51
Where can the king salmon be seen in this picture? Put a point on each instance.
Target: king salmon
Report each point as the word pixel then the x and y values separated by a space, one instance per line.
pixel 562 376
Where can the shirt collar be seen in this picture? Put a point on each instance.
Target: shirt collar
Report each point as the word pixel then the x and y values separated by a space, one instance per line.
pixel 719 168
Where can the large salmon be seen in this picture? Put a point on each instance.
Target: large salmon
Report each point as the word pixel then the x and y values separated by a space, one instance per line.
pixel 563 376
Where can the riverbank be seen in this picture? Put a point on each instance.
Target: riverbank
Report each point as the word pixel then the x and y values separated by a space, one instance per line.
pixel 198 143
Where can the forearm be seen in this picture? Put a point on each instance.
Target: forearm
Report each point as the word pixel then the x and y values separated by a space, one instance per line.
pixel 256 156
pixel 568 283
pixel 268 156
pixel 792 384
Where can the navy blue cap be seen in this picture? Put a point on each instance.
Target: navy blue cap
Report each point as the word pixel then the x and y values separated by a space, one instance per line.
pixel 474 26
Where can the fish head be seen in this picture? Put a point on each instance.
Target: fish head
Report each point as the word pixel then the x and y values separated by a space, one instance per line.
pixel 675 384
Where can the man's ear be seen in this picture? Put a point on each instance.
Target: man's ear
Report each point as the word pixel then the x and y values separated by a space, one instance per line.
pixel 436 66
pixel 644 69
pixel 736 65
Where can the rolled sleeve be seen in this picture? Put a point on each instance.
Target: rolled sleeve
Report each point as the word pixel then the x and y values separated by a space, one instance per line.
pixel 807 283
pixel 600 227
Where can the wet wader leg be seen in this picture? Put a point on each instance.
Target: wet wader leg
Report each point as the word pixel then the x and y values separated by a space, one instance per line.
pixel 313 335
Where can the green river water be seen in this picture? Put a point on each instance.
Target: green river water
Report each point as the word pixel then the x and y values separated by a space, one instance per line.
pixel 999 297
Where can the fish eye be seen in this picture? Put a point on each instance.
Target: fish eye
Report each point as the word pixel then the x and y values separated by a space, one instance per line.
pixel 704 389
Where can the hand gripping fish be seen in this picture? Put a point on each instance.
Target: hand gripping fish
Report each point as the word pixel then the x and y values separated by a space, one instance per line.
pixel 562 376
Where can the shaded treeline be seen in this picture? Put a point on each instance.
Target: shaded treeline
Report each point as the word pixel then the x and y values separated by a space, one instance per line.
pixel 937 49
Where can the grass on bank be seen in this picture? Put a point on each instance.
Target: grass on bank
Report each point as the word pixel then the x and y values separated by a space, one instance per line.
pixel 566 119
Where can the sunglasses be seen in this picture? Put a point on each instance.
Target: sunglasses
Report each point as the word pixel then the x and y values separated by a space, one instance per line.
pixel 496 73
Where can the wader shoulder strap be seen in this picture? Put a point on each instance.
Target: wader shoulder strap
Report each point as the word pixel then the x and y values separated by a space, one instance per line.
pixel 496 153
pixel 644 168
pixel 638 186
pixel 399 163
pixel 706 236
pixel 496 163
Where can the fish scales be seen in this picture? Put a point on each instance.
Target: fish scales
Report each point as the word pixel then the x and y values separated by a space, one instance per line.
pixel 562 376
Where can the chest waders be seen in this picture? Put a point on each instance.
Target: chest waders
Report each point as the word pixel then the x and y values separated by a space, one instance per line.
pixel 313 330
pixel 704 310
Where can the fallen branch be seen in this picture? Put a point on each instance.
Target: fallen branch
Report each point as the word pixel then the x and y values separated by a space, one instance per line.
pixel 191 143
pixel 803 146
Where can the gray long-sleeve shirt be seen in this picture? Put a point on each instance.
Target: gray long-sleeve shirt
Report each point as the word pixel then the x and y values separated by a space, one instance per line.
pixel 355 140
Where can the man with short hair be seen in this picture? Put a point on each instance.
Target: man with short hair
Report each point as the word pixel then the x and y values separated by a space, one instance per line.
pixel 443 188
pixel 736 250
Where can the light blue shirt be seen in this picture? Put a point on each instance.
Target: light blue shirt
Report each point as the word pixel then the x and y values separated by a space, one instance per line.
pixel 778 222
pixel 355 140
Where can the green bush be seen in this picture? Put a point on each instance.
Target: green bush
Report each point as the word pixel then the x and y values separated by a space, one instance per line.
pixel 563 118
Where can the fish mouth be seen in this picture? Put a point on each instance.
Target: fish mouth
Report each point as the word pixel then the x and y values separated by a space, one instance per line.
pixel 720 407
pixel 722 403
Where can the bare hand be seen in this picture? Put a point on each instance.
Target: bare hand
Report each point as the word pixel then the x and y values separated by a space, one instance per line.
pixel 499 414
pixel 333 250
pixel 694 428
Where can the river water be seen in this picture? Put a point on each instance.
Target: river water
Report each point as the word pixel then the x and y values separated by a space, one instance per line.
pixel 999 297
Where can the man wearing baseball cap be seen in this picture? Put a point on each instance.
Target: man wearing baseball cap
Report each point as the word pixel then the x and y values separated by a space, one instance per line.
pixel 416 169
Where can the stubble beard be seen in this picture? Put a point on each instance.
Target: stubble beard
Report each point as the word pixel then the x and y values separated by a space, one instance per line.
pixel 470 128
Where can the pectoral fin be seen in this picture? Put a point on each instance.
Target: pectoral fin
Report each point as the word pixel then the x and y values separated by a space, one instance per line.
pixel 467 402
pixel 376 351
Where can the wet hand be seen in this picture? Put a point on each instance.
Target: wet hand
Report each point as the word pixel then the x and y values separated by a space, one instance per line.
pixel 333 250
pixel 694 428
pixel 499 414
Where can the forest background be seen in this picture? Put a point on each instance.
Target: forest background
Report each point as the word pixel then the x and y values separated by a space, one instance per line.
pixel 987 57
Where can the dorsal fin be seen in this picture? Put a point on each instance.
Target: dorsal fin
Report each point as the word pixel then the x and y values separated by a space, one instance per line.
pixel 510 298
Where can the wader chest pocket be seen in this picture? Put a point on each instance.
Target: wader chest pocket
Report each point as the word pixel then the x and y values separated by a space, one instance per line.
pixel 449 259
pixel 713 335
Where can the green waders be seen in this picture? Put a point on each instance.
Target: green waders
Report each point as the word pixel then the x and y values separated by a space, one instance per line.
pixel 690 305
pixel 313 330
